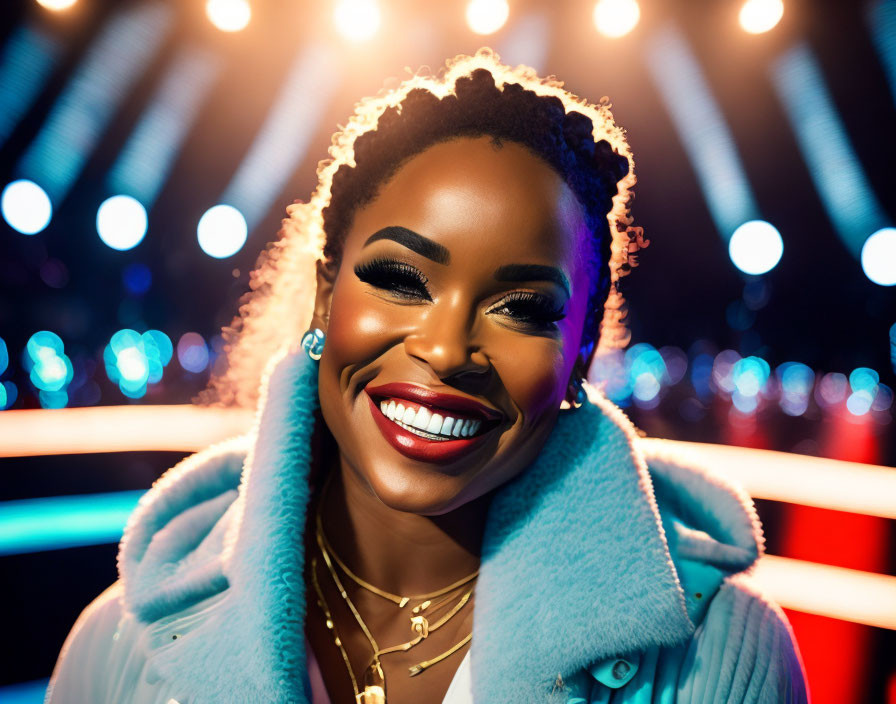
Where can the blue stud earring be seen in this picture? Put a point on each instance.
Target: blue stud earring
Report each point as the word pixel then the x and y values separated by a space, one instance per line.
pixel 313 343
pixel 581 394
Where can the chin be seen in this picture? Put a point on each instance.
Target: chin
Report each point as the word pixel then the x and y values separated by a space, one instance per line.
pixel 425 492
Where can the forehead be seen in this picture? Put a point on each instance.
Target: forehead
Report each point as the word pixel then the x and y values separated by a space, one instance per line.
pixel 487 204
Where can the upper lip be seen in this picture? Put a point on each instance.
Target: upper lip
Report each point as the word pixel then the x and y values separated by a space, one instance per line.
pixel 429 397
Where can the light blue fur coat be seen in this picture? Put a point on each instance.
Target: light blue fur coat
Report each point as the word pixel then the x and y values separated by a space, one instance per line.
pixel 605 576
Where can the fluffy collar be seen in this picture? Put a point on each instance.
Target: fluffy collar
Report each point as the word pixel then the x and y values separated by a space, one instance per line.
pixel 575 566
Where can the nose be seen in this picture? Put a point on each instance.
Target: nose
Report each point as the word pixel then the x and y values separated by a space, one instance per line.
pixel 444 338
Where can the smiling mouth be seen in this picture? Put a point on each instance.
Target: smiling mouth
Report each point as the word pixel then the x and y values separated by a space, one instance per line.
pixel 432 424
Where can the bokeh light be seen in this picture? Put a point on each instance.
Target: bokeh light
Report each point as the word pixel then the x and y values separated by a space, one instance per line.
pixel 56 5
pixel 487 16
pixel 831 389
pixel 229 15
pixel 133 360
pixel 357 20
pixel 616 18
pixel 9 394
pixel 758 16
pixel 756 247
pixel 121 222
pixel 26 207
pixel 796 381
pixel 879 257
pixel 222 231
pixel 192 352
pixel 50 369
pixel 137 278
pixel 4 355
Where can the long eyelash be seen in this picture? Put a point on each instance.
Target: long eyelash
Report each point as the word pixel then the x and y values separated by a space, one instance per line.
pixel 541 310
pixel 403 279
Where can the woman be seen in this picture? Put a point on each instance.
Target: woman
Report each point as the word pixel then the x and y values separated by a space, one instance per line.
pixel 434 506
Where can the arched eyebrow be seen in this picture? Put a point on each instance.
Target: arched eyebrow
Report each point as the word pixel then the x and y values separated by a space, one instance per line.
pixel 423 246
pixel 533 272
pixel 438 253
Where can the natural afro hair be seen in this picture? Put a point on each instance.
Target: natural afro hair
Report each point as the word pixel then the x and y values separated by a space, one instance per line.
pixel 474 96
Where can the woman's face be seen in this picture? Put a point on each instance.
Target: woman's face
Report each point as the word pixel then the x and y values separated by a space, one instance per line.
pixel 463 287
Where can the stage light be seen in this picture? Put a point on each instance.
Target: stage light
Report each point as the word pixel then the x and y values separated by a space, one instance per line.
pixel 879 257
pixel 616 18
pixel 56 5
pixel 487 16
pixel 192 352
pixel 228 15
pixel 357 20
pixel 121 222
pixel 26 207
pixel 4 356
pixel 756 247
pixel 222 231
pixel 758 16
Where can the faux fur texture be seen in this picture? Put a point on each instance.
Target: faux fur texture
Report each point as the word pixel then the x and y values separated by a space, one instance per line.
pixel 575 568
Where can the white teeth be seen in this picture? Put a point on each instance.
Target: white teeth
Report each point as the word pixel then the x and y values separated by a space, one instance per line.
pixel 421 419
pixel 435 424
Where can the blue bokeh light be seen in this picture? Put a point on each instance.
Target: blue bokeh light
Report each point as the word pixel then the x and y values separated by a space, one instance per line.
pixel 222 231
pixel 137 278
pixel 26 207
pixel 756 247
pixel 192 352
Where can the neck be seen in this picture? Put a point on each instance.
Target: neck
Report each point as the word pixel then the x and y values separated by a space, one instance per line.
pixel 399 552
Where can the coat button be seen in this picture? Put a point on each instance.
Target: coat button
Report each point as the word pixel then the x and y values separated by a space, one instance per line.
pixel 620 669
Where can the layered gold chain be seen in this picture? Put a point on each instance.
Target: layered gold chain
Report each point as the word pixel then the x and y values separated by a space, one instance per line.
pixel 374 691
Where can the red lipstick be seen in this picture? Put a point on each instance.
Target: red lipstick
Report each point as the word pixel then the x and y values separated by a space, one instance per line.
pixel 420 448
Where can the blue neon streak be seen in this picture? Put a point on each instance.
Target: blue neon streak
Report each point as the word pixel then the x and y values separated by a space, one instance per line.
pixel 702 129
pixel 28 58
pixel 52 523
pixel 147 157
pixel 881 19
pixel 284 137
pixel 835 170
pixel 25 692
pixel 81 114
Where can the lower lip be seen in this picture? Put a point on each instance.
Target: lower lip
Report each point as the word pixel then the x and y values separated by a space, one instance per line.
pixel 422 449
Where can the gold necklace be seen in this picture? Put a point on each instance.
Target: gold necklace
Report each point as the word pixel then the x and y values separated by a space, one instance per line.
pixel 375 680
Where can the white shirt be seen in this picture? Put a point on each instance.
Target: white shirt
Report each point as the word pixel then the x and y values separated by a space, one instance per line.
pixel 460 691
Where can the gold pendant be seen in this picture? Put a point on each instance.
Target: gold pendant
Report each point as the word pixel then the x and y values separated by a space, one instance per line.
pixel 372 694
pixel 420 625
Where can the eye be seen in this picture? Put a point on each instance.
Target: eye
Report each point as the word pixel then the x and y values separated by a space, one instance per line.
pixel 532 309
pixel 402 279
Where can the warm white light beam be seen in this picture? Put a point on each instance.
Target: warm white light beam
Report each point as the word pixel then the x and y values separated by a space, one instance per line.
pixel 835 592
pixel 56 5
pixel 796 479
pixel 758 16
pixel 616 18
pixel 180 428
pixel 357 20
pixel 487 16
pixel 229 15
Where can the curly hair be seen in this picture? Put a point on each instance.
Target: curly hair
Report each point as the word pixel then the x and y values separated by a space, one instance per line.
pixel 474 96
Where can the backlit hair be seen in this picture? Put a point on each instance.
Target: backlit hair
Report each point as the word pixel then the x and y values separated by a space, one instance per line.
pixel 473 96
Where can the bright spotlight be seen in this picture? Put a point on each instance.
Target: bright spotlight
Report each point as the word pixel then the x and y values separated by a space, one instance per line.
pixel 26 207
pixel 758 16
pixel 756 247
pixel 121 222
pixel 222 231
pixel 357 20
pixel 487 16
pixel 228 15
pixel 879 257
pixel 616 18
pixel 56 5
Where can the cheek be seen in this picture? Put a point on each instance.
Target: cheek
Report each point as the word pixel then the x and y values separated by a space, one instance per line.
pixel 358 327
pixel 534 378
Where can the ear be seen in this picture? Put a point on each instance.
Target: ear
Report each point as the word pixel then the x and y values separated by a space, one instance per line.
pixel 323 297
